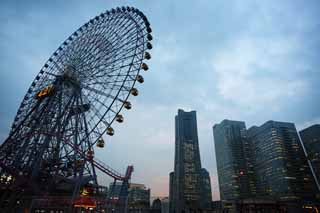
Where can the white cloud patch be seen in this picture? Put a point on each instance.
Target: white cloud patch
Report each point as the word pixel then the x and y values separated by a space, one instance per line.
pixel 306 124
pixel 254 73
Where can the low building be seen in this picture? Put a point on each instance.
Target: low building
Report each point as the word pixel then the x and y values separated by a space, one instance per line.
pixel 165 205
pixel 138 198
pixel 156 206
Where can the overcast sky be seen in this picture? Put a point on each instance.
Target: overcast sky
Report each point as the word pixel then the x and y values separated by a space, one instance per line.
pixel 250 60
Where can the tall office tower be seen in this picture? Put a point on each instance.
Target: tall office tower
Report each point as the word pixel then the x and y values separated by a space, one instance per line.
pixel 281 168
pixel 186 191
pixel 235 172
pixel 311 141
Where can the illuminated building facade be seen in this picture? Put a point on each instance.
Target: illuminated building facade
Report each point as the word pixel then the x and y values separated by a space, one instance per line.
pixel 265 162
pixel 139 196
pixel 233 165
pixel 187 193
pixel 281 168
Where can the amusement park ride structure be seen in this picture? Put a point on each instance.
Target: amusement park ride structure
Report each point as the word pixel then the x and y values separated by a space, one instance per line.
pixel 48 156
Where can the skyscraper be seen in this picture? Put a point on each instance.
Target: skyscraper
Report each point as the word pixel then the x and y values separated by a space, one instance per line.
pixel 281 167
pixel 186 182
pixel 265 162
pixel 234 169
pixel 311 141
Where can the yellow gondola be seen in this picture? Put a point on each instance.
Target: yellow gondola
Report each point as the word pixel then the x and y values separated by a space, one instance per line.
pixel 144 66
pixel 90 154
pixel 119 118
pixel 140 79
pixel 134 92
pixel 110 131
pixel 45 92
pixel 100 143
pixel 79 163
pixel 147 55
pixel 127 105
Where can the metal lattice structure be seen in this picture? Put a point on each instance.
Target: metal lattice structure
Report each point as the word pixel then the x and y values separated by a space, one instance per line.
pixel 73 102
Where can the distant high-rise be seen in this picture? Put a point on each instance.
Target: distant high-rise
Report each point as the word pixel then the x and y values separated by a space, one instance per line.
pixel 311 141
pixel 187 192
pixel 233 165
pixel 265 162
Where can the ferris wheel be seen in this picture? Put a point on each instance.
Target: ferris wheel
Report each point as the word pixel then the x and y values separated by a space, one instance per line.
pixel 76 97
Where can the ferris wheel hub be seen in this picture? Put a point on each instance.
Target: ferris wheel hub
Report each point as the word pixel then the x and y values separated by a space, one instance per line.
pixel 71 75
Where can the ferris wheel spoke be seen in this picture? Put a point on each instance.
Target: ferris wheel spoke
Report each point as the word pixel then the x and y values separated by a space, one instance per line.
pixel 100 92
pixel 85 124
pixel 121 39
pixel 119 47
pixel 123 28
pixel 93 63
pixel 98 101
pixel 109 73
pixel 111 81
pixel 100 117
pixel 114 68
pixel 91 41
pixel 114 62
pixel 122 24
pixel 84 49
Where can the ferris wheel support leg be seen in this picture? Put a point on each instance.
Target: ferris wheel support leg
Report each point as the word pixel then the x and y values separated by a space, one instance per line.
pixel 88 141
pixel 9 199
pixel 76 190
pixel 37 162
pixel 23 149
pixel 18 127
pixel 4 199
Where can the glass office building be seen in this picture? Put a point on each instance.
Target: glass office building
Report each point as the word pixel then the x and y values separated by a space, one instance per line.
pixel 281 168
pixel 138 198
pixel 311 141
pixel 233 165
pixel 265 162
